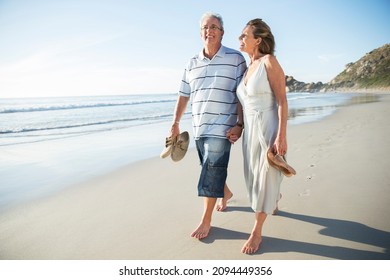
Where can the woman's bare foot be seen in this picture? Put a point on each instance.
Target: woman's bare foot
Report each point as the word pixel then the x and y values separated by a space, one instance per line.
pixel 221 206
pixel 252 245
pixel 277 209
pixel 202 231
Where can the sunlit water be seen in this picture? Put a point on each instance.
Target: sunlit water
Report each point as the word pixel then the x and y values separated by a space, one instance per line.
pixel 49 143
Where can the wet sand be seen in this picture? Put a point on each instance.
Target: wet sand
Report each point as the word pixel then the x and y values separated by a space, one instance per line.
pixel 336 207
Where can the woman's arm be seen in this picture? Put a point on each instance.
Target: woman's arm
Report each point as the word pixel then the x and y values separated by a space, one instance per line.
pixel 277 82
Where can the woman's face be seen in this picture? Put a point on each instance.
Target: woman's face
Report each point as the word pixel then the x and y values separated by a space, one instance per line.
pixel 248 43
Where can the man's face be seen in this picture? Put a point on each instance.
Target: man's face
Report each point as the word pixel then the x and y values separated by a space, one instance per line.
pixel 211 31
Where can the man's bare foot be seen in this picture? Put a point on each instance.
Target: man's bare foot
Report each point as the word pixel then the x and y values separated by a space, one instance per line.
pixel 252 245
pixel 202 231
pixel 221 206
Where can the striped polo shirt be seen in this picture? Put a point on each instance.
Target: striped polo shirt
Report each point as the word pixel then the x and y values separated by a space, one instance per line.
pixel 211 86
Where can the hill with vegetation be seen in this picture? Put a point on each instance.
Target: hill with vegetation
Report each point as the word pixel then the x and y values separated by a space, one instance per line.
pixel 369 73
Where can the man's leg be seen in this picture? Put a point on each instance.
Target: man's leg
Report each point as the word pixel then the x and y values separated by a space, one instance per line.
pixel 227 194
pixel 204 227
pixel 214 157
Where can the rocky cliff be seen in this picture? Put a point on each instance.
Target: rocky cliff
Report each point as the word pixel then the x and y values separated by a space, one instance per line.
pixel 371 72
pixel 293 85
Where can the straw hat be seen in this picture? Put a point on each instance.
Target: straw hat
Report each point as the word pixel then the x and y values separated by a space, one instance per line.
pixel 279 162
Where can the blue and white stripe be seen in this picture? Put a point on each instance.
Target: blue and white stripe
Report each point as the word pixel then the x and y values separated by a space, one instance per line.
pixel 211 86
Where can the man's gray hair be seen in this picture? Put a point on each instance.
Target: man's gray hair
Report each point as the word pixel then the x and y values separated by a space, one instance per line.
pixel 212 15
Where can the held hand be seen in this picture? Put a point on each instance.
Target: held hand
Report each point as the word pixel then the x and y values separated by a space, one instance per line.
pixel 175 130
pixel 233 138
pixel 280 146
pixel 233 134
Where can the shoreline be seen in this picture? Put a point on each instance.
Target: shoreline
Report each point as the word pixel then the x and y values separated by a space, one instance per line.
pixel 332 209
pixel 384 90
pixel 41 168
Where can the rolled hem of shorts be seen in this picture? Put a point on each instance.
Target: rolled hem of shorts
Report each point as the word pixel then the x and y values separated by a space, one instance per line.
pixel 209 194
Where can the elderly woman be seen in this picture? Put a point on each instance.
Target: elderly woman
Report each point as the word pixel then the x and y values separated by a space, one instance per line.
pixel 262 94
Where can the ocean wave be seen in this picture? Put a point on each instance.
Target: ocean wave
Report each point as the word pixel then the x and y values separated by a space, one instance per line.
pixel 87 124
pixel 56 107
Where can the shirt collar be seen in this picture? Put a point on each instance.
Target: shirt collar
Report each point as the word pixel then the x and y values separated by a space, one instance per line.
pixel 221 53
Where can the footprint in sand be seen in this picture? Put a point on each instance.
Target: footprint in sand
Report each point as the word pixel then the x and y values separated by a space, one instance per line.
pixel 305 193
pixel 309 177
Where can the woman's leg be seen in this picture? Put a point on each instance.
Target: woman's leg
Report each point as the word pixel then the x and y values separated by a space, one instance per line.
pixel 253 243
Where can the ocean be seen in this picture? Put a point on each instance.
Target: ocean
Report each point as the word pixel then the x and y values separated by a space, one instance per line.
pixel 47 144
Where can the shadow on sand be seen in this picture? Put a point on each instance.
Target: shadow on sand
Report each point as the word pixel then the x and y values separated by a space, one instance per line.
pixel 239 209
pixel 341 229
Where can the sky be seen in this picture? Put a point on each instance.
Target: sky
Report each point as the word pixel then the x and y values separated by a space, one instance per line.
pixel 117 47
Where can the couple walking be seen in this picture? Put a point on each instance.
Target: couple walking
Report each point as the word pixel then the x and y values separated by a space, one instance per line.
pixel 229 99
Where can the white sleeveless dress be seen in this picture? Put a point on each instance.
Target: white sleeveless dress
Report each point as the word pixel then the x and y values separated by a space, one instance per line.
pixel 261 122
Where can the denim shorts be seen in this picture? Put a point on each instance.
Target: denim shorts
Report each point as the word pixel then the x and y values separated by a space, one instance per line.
pixel 214 156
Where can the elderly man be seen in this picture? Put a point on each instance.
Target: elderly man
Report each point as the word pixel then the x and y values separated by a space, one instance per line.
pixel 210 81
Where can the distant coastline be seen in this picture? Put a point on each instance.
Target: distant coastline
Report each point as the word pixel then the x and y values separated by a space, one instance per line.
pixel 370 74
pixel 293 86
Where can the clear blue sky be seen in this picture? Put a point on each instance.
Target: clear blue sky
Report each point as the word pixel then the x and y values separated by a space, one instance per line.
pixel 96 47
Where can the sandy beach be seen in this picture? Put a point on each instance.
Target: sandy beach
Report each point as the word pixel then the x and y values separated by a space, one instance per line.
pixel 336 207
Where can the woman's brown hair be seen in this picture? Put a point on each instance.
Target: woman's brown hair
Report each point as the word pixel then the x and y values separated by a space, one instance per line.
pixel 262 30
